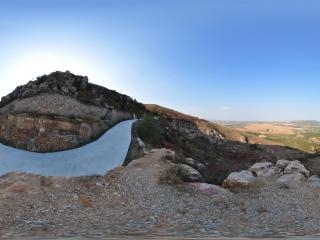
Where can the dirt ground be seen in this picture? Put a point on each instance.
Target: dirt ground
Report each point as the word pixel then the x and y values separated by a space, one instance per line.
pixel 131 201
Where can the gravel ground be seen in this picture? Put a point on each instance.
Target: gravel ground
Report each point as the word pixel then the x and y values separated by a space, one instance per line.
pixel 130 201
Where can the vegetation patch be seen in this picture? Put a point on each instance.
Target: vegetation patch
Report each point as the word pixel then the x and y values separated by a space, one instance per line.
pixel 150 131
pixel 301 142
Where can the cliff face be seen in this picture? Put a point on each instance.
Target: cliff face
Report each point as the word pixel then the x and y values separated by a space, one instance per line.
pixel 61 111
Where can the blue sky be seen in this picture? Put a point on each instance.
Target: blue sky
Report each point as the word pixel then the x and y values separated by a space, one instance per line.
pixel 223 60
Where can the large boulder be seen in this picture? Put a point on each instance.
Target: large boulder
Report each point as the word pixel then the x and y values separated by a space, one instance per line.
pixel 292 180
pixel 282 164
pixel 262 169
pixel 296 167
pixel 194 164
pixel 188 174
pixel 239 179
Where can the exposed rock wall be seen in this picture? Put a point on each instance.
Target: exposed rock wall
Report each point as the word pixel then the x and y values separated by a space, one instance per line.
pixel 52 133
pixel 191 130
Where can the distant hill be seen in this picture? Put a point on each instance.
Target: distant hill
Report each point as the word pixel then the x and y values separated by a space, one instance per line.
pixel 61 111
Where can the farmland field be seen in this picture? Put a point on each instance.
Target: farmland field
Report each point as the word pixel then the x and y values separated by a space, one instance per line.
pixel 302 135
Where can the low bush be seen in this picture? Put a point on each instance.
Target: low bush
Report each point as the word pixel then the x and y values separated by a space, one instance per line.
pixel 150 131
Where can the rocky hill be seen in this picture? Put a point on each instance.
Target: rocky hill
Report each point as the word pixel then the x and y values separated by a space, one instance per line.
pixel 220 149
pixel 61 111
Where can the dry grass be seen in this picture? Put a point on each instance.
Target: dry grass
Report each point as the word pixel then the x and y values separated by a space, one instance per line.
pixel 268 128
pixel 167 112
pixel 170 176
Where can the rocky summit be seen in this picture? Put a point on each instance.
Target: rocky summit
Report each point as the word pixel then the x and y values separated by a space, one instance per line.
pixel 61 111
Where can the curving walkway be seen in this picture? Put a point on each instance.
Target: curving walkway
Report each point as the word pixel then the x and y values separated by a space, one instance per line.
pixel 97 157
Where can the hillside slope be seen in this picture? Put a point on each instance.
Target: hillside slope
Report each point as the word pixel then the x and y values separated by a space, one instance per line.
pixel 221 149
pixel 204 126
pixel 61 111
pixel 207 127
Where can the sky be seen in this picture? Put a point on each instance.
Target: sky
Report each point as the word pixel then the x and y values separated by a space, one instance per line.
pixel 216 59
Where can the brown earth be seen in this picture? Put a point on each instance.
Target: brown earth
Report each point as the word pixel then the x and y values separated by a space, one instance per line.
pixel 268 128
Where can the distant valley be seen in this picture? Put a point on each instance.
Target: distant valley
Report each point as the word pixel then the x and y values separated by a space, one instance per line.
pixel 302 135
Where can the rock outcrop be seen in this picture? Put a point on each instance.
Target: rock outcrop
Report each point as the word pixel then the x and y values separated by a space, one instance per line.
pixel 61 111
pixel 293 173
pixel 285 174
pixel 292 180
pixel 296 167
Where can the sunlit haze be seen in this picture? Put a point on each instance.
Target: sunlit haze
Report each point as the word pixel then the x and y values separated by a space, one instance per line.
pixel 219 60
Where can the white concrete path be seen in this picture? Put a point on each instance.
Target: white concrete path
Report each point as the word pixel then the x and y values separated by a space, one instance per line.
pixel 97 157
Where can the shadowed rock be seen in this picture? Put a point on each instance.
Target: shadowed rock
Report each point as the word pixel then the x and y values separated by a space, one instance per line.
pixel 292 180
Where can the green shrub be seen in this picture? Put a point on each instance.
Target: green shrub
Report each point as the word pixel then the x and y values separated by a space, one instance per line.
pixel 150 131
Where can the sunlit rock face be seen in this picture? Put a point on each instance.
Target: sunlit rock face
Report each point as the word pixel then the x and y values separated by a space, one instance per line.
pixel 61 111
